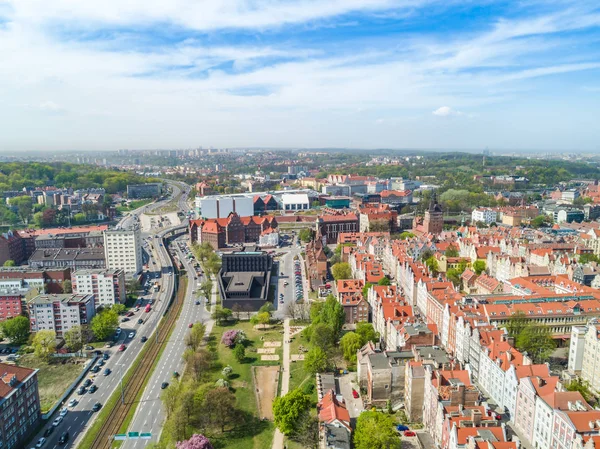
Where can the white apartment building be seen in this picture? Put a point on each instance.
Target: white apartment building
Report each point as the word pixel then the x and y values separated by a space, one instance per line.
pixel 576 348
pixel 485 215
pixel 123 250
pixel 59 313
pixel 107 286
pixel 590 363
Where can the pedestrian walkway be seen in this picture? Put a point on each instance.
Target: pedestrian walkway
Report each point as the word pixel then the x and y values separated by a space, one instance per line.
pixel 285 378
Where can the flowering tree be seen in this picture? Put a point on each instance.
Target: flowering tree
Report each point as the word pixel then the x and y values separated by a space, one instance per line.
pixel 227 371
pixel 232 337
pixel 222 383
pixel 196 442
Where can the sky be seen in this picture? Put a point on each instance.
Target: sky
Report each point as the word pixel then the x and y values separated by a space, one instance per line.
pixel 448 74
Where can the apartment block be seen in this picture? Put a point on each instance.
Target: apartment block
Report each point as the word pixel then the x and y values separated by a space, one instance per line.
pixel 107 286
pixel 123 250
pixel 19 405
pixel 60 313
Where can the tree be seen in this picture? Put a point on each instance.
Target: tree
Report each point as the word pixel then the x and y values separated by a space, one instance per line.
pixel 132 286
pixel 16 329
pixel 451 251
pixel 350 344
pixel 341 270
pixel 118 308
pixel 306 235
pixel 331 312
pixel 583 386
pixel 540 220
pixel 322 336
pixel 169 397
pixel 196 442
pixel 454 276
pixel 406 235
pixel 67 286
pixel 479 267
pixel 23 205
pixel 195 336
pixel 306 432
pixel 537 341
pixel 588 257
pixel 517 322
pixel 239 352
pixel 288 409
pixel 432 265
pixel 105 324
pixel 232 337
pixel 375 430
pixel 219 405
pixel 315 361
pixel 366 332
pixel 199 362
pixel 262 318
pixel 44 344
pixel 366 288
pixel 384 281
pixel 74 339
pixel 9 263
pixel 227 371
pixel 221 314
pixel 267 307
pixel 206 288
pixel 38 219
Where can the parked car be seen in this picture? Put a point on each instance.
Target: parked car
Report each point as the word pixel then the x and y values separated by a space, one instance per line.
pixel 124 319
pixel 401 428
pixel 354 394
pixel 410 433
pixel 89 348
pixel 109 344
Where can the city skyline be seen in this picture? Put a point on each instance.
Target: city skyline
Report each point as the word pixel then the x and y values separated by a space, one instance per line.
pixel 353 73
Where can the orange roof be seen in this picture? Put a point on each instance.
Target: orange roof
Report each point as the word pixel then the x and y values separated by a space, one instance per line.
pixel 330 410
pixel 581 420
pixel 540 370
pixel 7 372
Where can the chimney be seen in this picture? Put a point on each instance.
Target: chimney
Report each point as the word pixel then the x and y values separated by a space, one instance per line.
pixel 476 417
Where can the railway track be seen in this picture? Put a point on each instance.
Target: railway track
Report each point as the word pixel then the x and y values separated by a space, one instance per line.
pixel 119 412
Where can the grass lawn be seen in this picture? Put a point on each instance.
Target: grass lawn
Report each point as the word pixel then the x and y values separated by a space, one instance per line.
pixel 53 378
pixel 259 434
pixel 134 205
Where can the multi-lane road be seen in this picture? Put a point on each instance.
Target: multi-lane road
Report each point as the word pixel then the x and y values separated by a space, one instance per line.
pixel 80 417
pixel 149 417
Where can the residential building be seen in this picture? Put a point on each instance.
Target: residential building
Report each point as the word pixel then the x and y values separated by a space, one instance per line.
pixel 334 420
pixel 123 250
pixel 20 415
pixel 350 295
pixel 107 286
pixel 74 259
pixel 316 264
pixel 44 280
pixel 396 198
pixel 576 349
pixel 485 215
pixel 414 390
pixel 11 247
pixel 147 190
pixel 233 230
pixel 60 313
pixel 11 305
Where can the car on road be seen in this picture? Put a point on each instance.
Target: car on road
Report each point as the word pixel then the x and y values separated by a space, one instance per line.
pixel 87 383
pixel 89 348
pixel 101 362
pixel 63 438
pixel 144 339
pixel 124 320
pixel 97 406
pixel 73 402
pixel 63 411
pixel 286 283
pixel 40 442
pixel 140 321
pixel 81 390
pixel 57 421
pixel 109 344
pixel 48 431
pixel 410 433
pixel 95 369
pixel 105 356
pixel 107 371
pixel 197 302
pixel 190 325
pixel 164 385
pixel 131 335
pixel 354 394
pixel 93 389
pixel 122 348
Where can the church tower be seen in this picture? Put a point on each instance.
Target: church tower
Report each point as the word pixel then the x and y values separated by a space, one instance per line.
pixel 434 217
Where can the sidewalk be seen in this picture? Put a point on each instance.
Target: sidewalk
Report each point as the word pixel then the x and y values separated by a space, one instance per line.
pixel 285 378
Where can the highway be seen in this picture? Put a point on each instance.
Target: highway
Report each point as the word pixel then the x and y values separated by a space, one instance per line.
pixel 80 417
pixel 149 418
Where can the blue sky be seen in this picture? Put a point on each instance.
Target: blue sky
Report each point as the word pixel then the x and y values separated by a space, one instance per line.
pixel 308 73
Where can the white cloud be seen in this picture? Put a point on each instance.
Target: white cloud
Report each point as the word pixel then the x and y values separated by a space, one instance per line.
pixel 50 106
pixel 446 111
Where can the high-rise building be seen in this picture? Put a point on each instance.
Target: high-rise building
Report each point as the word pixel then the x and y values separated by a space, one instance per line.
pixel 123 250
pixel 107 286
pixel 19 404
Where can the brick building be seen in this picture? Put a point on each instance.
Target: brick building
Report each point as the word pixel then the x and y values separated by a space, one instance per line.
pixel 316 264
pixel 19 405
pixel 11 305
pixel 330 226
pixel 11 247
pixel 220 232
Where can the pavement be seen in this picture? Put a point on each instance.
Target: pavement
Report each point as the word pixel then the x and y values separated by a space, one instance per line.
pixel 285 378
pixel 347 383
pixel 149 416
